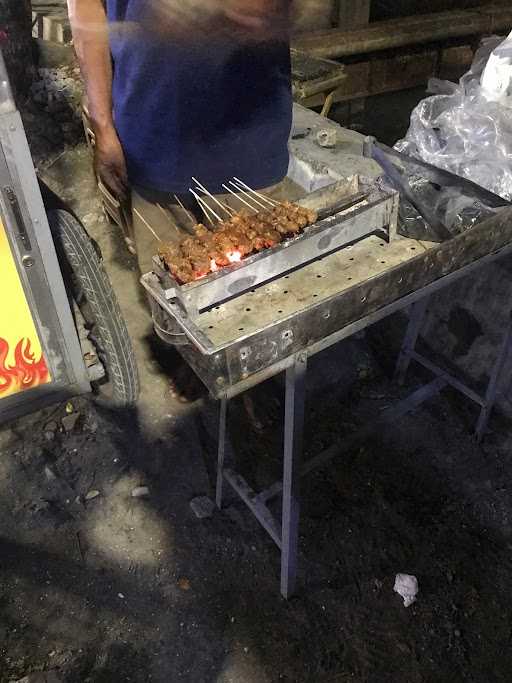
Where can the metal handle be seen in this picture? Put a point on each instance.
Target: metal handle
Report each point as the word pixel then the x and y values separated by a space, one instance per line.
pixel 12 200
pixel 372 151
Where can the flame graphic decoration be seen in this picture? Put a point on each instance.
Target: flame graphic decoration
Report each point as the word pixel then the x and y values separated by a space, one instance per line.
pixel 25 373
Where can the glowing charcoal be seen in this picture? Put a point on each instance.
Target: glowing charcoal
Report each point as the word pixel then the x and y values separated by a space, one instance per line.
pixel 234 256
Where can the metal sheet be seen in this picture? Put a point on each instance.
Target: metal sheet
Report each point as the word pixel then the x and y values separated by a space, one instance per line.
pixel 257 332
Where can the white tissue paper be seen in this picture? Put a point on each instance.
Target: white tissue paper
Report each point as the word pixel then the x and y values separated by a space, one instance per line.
pixel 406 586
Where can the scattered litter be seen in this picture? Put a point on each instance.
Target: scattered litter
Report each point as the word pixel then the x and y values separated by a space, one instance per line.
pixel 69 407
pixel 92 426
pixel 184 584
pixel 121 596
pixel 69 421
pixel 202 506
pixel 92 494
pixel 140 492
pixel 406 586
pixel 79 546
pixel 327 137
pixel 49 436
pixel 50 474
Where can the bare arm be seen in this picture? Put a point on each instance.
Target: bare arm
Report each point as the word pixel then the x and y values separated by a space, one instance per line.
pixel 90 35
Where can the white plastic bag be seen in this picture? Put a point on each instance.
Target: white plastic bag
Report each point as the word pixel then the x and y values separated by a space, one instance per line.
pixel 467 128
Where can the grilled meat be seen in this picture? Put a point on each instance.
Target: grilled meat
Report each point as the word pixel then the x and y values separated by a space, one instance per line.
pixel 241 235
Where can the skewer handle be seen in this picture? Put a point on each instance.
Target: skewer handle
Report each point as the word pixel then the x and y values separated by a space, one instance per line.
pixel 224 207
pixel 242 191
pixel 204 206
pixel 240 199
pixel 272 202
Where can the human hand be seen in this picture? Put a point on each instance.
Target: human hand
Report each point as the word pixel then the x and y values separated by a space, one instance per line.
pixel 110 163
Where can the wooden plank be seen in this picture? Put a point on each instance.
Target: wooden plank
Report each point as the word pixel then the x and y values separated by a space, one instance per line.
pixel 353 13
pixel 454 62
pixel 379 76
pixel 311 15
pixel 385 35
pixel 313 76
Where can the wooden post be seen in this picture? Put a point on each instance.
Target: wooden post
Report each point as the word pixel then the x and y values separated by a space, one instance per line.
pixel 354 14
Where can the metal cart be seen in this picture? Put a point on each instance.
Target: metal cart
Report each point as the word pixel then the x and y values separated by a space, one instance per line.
pixel 273 311
pixel 61 328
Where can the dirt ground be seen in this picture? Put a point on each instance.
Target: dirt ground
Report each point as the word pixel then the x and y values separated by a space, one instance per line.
pixel 115 588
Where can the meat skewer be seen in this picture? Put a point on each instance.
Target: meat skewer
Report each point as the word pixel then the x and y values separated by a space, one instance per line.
pixel 240 235
pixel 204 206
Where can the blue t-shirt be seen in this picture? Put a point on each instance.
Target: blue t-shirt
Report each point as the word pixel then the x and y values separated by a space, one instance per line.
pixel 212 110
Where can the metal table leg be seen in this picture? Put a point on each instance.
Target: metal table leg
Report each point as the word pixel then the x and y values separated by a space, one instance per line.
pixel 221 453
pixel 499 373
pixel 418 312
pixel 293 437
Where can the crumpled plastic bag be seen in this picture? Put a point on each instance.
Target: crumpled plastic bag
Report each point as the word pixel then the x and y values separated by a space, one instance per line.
pixel 457 211
pixel 467 128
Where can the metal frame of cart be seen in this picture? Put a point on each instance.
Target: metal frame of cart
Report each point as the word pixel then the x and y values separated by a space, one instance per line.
pixel 30 240
pixel 412 272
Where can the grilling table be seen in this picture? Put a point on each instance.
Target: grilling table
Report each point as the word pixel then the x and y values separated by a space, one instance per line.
pixel 240 326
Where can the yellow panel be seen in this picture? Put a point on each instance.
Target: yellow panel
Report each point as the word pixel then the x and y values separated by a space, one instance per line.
pixel 22 364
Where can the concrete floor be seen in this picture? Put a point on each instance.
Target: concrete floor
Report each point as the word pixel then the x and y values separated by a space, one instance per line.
pixel 150 593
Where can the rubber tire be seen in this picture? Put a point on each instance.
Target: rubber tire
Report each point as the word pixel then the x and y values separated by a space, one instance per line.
pixel 89 286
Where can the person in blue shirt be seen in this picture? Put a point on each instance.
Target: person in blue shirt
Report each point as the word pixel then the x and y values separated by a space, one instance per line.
pixel 179 89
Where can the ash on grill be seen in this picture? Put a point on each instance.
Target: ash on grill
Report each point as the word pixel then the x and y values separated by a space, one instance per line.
pixel 243 234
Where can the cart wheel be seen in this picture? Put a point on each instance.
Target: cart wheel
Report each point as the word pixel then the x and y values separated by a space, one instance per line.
pixel 91 291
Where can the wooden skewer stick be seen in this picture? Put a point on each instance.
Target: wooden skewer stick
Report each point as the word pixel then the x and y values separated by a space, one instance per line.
pixel 242 191
pixel 189 213
pixel 205 207
pixel 166 214
pixel 223 206
pixel 146 224
pixel 198 188
pixel 192 218
pixel 273 202
pixel 239 198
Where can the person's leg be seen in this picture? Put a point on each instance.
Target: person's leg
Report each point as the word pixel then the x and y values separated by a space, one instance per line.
pixel 154 222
